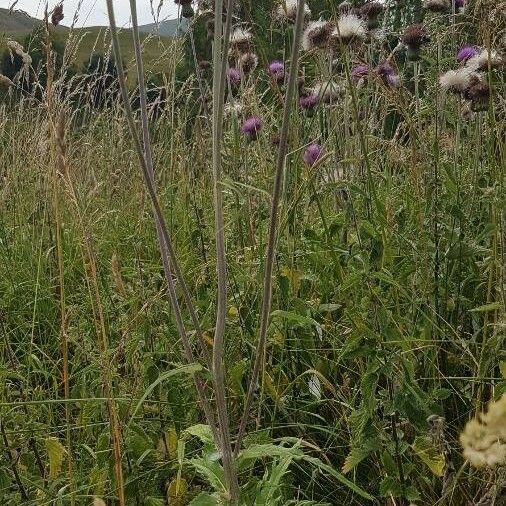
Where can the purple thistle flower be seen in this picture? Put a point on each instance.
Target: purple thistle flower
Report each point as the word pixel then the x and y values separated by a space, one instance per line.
pixel 312 154
pixel 251 127
pixel 385 69
pixel 466 52
pixel 359 71
pixel 234 76
pixel 309 101
pixel 388 75
pixel 276 68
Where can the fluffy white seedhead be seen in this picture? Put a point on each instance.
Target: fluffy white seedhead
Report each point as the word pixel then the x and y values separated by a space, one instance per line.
pixel 482 59
pixel 287 9
pixel 484 438
pixel 350 28
pixel 457 81
pixel 327 91
pixel 240 36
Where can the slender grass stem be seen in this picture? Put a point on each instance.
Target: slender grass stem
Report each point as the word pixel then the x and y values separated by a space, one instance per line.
pixel 273 224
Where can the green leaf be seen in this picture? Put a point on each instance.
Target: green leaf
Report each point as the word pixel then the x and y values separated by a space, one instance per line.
pixel 55 452
pixel 190 369
pixel 211 471
pixel 390 486
pixel 204 499
pixel 431 456
pixel 202 432
pixel 270 488
pixel 359 453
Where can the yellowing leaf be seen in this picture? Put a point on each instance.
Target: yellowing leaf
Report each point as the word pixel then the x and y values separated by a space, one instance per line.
pixel 171 442
pixel 293 276
pixel 431 456
pixel 176 492
pixel 98 502
pixel 502 367
pixel 56 453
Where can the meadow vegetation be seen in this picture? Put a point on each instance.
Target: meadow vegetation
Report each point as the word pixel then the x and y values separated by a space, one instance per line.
pixel 275 278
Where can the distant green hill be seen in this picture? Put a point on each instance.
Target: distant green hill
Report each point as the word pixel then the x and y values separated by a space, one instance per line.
pixel 157 40
pixel 16 21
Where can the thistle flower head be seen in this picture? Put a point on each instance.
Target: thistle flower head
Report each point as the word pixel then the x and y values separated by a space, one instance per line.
pixel 276 71
pixel 415 36
pixel 478 94
pixel 57 15
pixel 387 74
pixel 312 154
pixel 466 52
pixel 240 39
pixel 251 127
pixel 359 71
pixel 485 57
pixel 437 5
pixel 316 35
pixel 370 11
pixel 287 10
pixel 309 102
pixel 248 62
pixel 459 5
pixel 234 76
pixel 457 81
pixel 484 438
pixel 349 29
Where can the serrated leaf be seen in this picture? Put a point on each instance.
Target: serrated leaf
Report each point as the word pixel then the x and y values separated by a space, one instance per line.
pixel 359 453
pixel 431 456
pixel 55 453
pixel 390 486
pixel 202 432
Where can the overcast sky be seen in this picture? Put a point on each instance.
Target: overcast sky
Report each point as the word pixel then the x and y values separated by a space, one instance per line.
pixel 94 12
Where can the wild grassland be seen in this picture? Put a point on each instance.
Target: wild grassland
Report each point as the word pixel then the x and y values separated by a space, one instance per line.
pixel 386 329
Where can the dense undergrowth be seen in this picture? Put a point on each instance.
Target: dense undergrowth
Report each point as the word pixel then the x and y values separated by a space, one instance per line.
pixel 386 331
